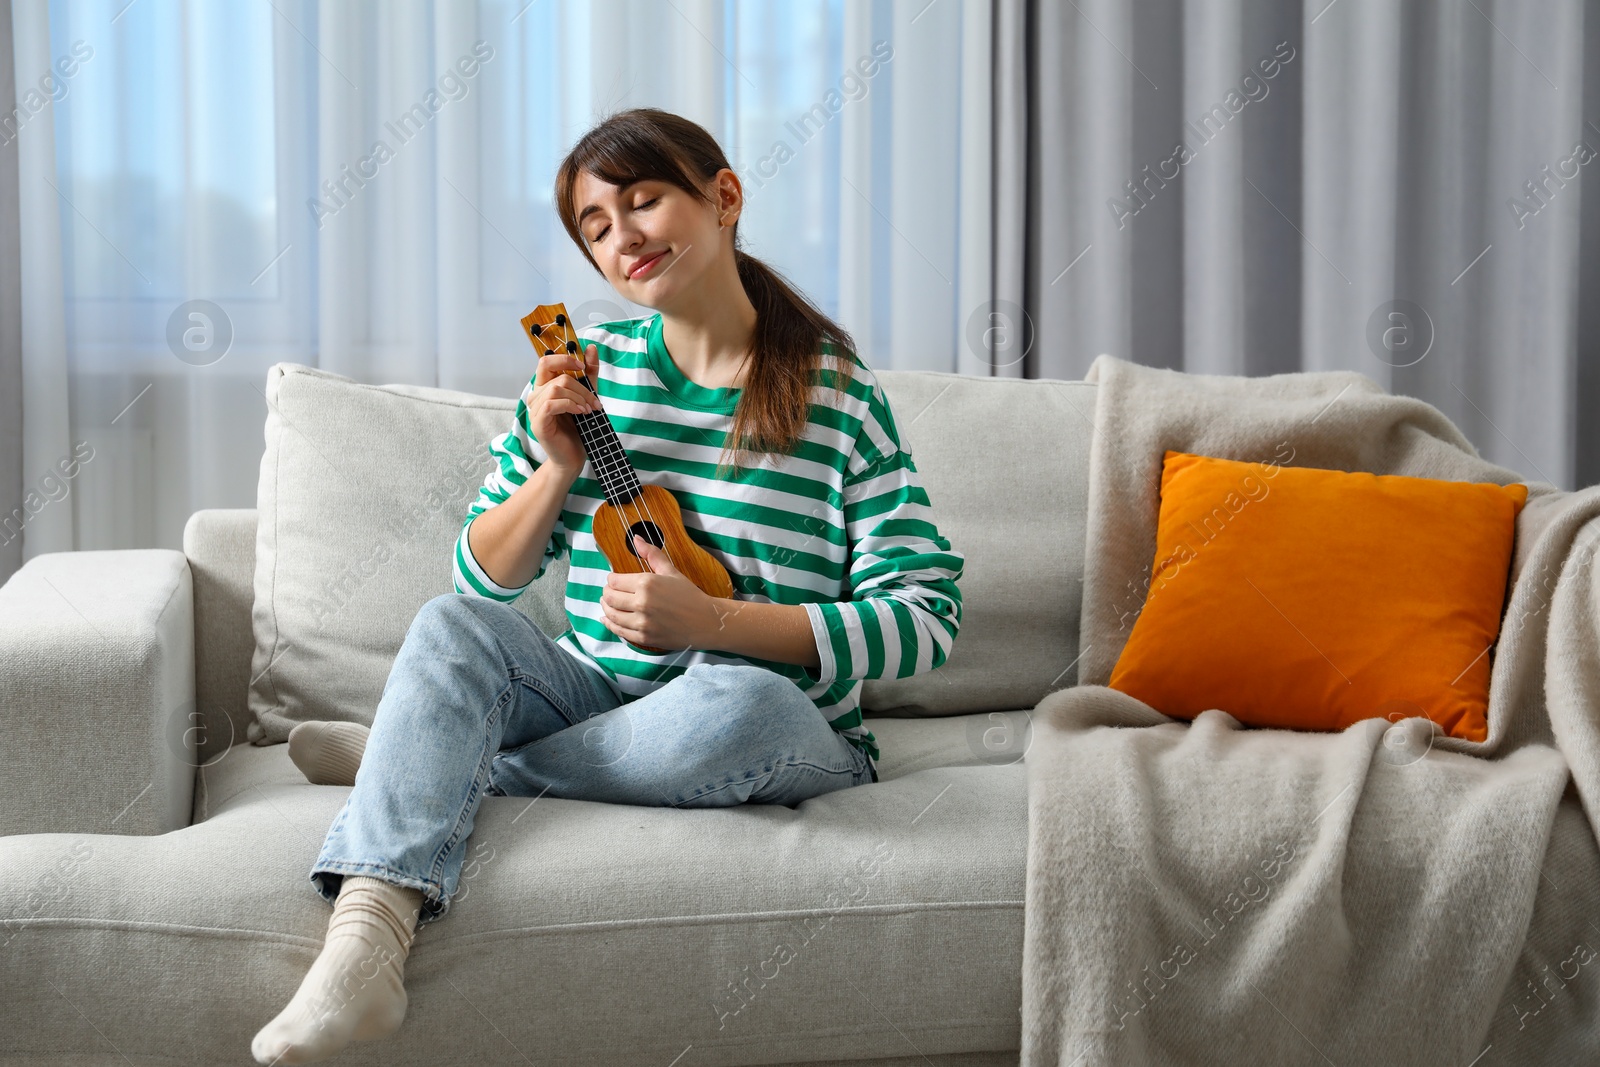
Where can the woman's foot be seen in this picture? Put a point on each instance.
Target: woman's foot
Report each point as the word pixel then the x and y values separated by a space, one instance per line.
pixel 328 753
pixel 355 991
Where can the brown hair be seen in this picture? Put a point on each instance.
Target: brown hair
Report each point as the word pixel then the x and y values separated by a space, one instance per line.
pixel 648 144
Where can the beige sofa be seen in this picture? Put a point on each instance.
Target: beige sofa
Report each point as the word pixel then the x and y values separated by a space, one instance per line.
pixel 155 905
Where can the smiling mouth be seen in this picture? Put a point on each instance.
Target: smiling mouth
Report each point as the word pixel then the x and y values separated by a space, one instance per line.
pixel 647 265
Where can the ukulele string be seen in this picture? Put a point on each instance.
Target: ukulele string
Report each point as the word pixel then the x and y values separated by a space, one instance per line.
pixel 640 501
pixel 639 498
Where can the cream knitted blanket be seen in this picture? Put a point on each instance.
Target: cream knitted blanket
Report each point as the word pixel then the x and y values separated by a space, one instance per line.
pixel 1203 893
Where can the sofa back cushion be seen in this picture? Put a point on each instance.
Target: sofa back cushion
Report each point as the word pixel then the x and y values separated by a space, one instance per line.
pixel 364 489
pixel 1005 462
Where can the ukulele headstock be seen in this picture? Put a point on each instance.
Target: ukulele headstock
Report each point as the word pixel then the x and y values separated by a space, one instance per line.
pixel 549 329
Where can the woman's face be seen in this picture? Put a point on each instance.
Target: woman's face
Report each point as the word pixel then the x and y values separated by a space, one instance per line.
pixel 652 239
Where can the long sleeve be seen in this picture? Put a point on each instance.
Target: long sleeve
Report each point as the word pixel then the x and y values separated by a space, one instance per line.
pixel 905 606
pixel 515 455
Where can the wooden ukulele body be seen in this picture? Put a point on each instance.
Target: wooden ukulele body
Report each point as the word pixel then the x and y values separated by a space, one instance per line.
pixel 631 508
pixel 655 516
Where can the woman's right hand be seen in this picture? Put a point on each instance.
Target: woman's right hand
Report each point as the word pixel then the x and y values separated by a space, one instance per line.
pixel 556 395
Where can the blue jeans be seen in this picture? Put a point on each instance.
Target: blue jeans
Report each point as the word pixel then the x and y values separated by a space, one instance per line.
pixel 480 701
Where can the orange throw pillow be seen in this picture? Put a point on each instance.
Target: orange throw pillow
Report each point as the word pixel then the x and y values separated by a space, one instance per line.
pixel 1309 599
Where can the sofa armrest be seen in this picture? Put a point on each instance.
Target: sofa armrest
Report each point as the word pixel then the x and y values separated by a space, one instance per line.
pixel 220 544
pixel 97 693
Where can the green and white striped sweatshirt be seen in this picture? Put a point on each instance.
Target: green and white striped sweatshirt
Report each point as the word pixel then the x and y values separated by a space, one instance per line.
pixel 843 526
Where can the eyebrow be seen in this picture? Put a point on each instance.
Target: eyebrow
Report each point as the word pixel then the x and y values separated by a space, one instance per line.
pixel 592 208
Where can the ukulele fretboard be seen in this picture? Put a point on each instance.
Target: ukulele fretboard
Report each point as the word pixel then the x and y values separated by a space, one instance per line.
pixel 606 454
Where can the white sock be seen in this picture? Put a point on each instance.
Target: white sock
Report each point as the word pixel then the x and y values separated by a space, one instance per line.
pixel 355 989
pixel 328 753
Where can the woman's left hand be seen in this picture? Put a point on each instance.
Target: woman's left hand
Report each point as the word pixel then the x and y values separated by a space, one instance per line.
pixel 659 608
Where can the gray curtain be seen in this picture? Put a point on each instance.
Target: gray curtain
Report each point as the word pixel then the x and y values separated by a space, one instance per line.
pixel 1406 189
pixel 10 311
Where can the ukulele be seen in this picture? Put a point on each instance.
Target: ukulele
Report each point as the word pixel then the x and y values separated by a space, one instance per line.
pixel 631 508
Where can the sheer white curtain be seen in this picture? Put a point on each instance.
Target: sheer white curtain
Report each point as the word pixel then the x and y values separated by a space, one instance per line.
pixel 366 187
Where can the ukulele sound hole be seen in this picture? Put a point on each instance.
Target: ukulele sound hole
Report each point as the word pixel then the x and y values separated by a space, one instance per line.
pixel 649 531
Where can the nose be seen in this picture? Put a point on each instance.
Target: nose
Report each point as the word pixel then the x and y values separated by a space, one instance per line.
pixel 629 237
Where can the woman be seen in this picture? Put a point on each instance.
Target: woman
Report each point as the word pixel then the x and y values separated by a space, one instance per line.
pixel 839 572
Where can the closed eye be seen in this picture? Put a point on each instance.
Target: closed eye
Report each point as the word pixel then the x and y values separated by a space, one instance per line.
pixel 597 238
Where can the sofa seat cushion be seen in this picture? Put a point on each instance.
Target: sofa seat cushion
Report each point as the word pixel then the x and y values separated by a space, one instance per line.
pixel 992 738
pixel 583 933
